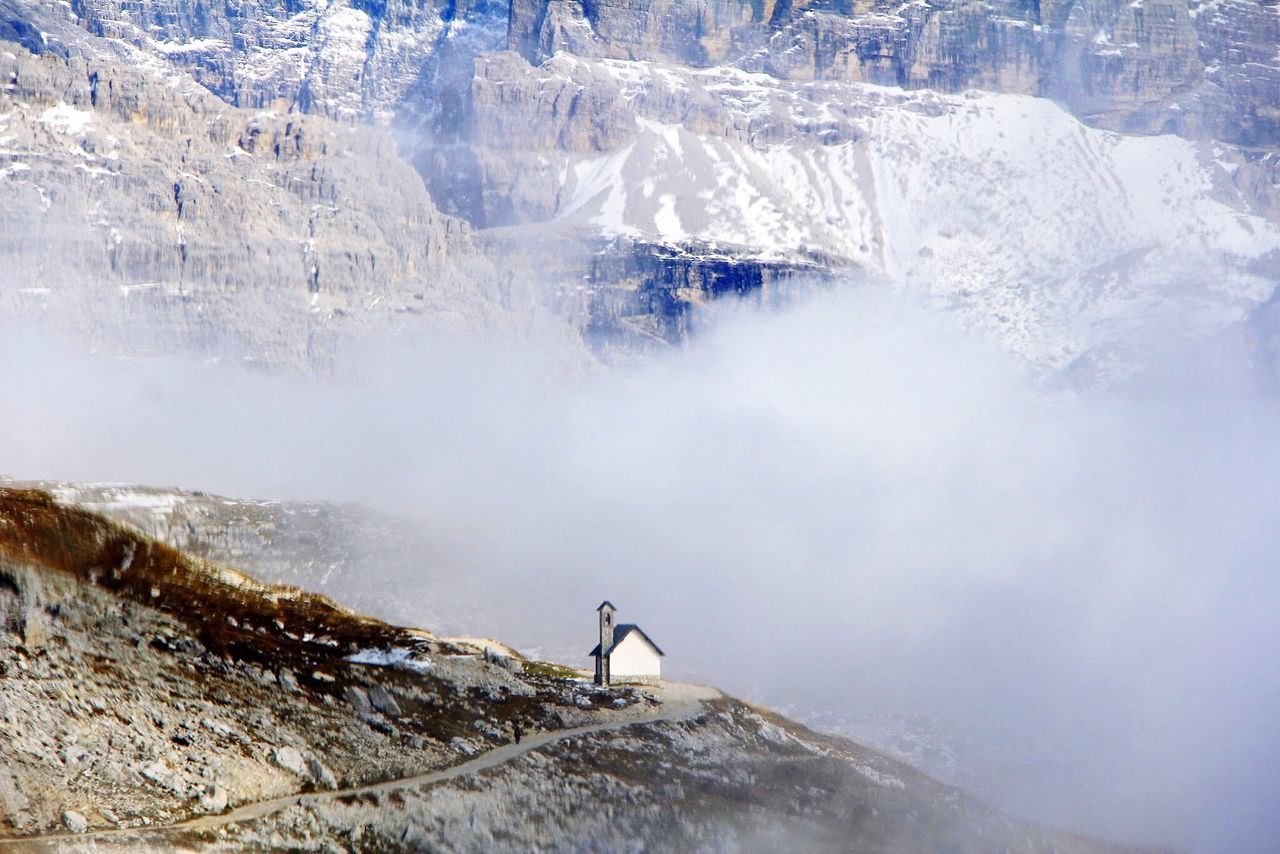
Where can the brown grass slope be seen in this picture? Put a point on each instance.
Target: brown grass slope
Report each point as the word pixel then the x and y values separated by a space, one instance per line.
pixel 232 614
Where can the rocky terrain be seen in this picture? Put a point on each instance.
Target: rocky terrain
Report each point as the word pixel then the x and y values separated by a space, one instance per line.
pixel 335 549
pixel 163 700
pixel 1199 69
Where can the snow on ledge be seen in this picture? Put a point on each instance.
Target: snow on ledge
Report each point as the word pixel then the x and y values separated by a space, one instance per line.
pixel 67 119
pixel 392 657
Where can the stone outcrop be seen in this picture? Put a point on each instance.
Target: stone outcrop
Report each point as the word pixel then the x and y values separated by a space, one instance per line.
pixel 647 296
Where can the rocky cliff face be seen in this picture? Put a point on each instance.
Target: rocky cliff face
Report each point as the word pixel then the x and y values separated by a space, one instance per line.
pixel 152 214
pixel 1154 66
pixel 353 62
pixel 647 296
pixel 771 133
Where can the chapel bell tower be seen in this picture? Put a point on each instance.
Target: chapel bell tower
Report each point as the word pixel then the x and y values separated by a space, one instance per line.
pixel 606 612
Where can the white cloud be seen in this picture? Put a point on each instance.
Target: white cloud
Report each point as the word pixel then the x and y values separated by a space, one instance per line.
pixel 846 506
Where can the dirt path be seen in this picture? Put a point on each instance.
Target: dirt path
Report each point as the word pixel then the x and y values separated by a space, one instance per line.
pixel 679 701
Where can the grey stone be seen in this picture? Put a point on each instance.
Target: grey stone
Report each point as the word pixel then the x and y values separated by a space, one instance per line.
pixel 73 755
pixel 320 774
pixel 286 680
pixel 158 772
pixel 75 822
pixel 12 799
pixel 378 723
pixel 35 629
pixel 384 702
pixel 290 759
pixel 213 799
pixel 189 646
pixel 357 699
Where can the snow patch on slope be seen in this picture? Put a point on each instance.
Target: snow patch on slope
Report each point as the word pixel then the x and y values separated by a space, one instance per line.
pixel 717 190
pixel 392 657
pixel 117 499
pixel 1063 240
pixel 67 119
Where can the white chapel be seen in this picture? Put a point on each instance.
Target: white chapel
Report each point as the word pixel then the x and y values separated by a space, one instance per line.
pixel 625 653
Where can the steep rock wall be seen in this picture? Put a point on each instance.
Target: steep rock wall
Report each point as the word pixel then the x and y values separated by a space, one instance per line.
pixel 156 217
pixel 1152 66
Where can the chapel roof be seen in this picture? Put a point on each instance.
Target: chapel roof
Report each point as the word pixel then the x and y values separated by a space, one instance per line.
pixel 620 633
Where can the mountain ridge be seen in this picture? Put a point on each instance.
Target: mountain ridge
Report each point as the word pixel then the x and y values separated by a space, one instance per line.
pixel 539 118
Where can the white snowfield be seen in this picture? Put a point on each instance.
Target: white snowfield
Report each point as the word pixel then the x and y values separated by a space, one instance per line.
pixel 1061 238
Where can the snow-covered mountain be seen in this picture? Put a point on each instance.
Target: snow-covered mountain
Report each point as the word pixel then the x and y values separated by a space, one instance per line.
pixel 1066 241
pixel 1090 181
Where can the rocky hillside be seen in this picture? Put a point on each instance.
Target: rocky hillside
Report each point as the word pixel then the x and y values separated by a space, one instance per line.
pixel 158 699
pixel 319 546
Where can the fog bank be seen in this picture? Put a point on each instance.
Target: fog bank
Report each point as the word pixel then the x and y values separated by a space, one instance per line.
pixel 847 507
